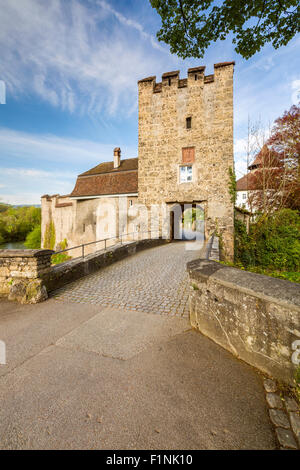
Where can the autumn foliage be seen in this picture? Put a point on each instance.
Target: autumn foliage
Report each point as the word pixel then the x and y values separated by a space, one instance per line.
pixel 276 170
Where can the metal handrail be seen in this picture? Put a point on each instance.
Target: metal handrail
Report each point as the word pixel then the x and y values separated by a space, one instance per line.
pixel 119 238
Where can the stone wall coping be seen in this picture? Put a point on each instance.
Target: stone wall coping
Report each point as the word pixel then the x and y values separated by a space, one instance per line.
pixel 197 69
pixel 173 73
pixel 223 64
pixel 268 288
pixel 25 253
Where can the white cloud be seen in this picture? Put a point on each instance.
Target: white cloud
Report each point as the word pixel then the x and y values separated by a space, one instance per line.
pixel 42 148
pixel 67 56
pixel 47 163
pixel 132 24
pixel 295 86
pixel 25 198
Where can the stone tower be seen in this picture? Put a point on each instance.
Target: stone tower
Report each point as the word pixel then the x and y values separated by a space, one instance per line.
pixel 186 144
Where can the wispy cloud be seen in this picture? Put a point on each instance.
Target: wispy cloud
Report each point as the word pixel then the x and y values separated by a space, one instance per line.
pixel 38 148
pixel 295 86
pixel 65 54
pixel 47 163
pixel 132 24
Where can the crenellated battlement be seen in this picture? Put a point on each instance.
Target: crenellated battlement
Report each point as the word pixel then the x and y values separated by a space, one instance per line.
pixel 194 74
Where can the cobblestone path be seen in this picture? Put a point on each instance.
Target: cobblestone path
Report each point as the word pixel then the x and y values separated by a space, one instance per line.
pixel 153 281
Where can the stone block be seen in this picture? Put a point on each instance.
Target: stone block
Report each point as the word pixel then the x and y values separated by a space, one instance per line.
pixel 295 423
pixel 274 400
pixel 270 386
pixel 290 404
pixel 279 418
pixel 286 438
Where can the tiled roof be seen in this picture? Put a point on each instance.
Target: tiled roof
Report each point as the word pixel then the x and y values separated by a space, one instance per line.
pixel 108 167
pixel 247 182
pixel 267 159
pixel 116 182
pixel 255 179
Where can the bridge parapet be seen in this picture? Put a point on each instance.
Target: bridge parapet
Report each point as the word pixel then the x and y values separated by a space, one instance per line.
pixel 27 276
pixel 21 274
pixel 255 317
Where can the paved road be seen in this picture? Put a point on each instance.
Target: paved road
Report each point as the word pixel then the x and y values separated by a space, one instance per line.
pixel 153 281
pixel 91 376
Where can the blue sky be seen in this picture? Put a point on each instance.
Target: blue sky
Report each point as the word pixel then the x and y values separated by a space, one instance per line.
pixel 71 68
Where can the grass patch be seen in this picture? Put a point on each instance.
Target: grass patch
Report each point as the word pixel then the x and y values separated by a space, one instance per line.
pixel 60 258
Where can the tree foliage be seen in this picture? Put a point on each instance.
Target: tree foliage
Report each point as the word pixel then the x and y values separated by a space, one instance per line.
pixel 33 239
pixel 276 182
pixel 190 26
pixel 17 222
pixel 273 242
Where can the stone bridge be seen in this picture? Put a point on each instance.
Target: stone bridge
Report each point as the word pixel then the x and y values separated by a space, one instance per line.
pixel 153 281
pixel 110 361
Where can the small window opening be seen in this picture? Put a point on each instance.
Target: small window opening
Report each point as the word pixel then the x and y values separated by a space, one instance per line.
pixel 186 174
pixel 83 228
pixel 188 122
pixel 196 77
pixel 169 81
pixel 130 202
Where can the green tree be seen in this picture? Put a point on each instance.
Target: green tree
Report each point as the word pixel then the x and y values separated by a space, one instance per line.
pixel 33 239
pixel 17 222
pixel 190 26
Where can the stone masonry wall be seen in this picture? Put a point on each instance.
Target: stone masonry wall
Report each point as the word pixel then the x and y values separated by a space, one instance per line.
pixel 255 317
pixel 163 109
pixel 84 220
pixel 21 272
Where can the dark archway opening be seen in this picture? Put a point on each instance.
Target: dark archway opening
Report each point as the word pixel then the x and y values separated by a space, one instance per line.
pixel 187 222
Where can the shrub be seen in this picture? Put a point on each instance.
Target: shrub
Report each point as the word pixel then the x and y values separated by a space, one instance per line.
pixel 276 241
pixel 243 250
pixel 272 245
pixel 60 258
pixel 33 239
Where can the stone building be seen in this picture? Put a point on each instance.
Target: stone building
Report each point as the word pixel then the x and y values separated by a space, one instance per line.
pixel 186 144
pixel 184 154
pixel 91 212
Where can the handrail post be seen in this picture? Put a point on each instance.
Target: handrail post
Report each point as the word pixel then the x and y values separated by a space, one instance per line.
pixel 105 244
pixel 83 251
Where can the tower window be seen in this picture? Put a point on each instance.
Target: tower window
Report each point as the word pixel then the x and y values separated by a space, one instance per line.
pixel 186 174
pixel 169 82
pixel 196 77
pixel 188 122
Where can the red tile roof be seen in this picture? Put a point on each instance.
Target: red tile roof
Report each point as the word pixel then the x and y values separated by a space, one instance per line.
pixel 108 167
pixel 104 179
pixel 247 182
pixel 258 178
